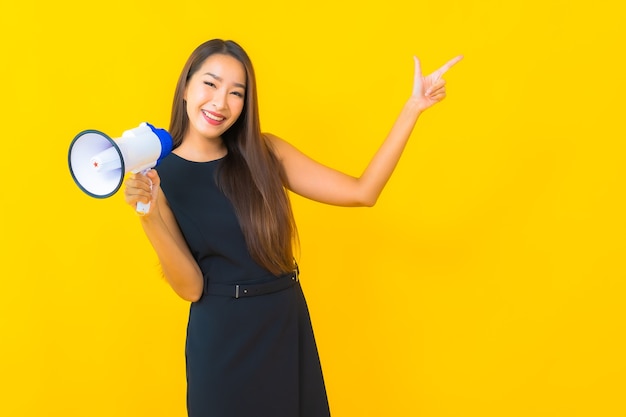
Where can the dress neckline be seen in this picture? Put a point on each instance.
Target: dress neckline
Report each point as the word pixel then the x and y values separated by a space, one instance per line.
pixel 199 162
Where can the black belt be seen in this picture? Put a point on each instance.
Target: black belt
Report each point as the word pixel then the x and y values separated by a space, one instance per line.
pixel 252 290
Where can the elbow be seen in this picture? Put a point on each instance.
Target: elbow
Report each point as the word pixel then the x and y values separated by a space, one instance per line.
pixel 196 295
pixel 366 203
pixel 190 292
pixel 371 202
pixel 366 195
pixel 191 296
pixel 187 288
pixel 367 200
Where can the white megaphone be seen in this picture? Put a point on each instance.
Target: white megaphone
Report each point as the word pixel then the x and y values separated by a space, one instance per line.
pixel 98 163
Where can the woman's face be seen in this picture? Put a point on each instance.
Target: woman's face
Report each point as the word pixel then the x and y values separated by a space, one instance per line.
pixel 215 96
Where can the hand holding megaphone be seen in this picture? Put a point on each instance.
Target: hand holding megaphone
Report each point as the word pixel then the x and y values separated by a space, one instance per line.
pixel 142 186
pixel 98 163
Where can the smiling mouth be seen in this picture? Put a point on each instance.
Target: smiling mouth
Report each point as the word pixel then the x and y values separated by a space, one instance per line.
pixel 212 116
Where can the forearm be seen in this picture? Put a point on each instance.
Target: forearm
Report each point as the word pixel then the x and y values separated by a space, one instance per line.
pixel 318 182
pixel 179 268
pixel 384 162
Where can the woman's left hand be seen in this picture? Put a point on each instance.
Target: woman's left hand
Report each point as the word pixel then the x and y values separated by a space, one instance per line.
pixel 430 90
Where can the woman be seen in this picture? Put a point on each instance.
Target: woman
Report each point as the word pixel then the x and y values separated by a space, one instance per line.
pixel 223 230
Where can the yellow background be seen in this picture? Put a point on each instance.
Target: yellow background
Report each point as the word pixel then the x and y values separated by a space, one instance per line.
pixel 488 281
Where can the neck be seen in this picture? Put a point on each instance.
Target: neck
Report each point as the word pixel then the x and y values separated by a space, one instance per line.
pixel 200 149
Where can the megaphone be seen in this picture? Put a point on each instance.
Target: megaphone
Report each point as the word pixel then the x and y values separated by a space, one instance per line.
pixel 98 163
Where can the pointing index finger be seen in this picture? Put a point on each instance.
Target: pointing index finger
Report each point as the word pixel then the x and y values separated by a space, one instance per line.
pixel 447 66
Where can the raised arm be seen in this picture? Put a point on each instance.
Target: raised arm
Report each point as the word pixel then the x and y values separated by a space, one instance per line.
pixel 179 267
pixel 321 183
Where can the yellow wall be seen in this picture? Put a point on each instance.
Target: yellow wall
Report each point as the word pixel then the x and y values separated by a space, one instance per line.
pixel 488 281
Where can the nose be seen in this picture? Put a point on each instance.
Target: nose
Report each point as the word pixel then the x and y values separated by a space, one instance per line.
pixel 219 101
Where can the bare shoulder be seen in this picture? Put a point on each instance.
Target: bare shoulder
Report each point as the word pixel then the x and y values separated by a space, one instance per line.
pixel 281 148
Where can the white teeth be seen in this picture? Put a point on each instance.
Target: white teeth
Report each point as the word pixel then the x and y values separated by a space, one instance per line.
pixel 212 117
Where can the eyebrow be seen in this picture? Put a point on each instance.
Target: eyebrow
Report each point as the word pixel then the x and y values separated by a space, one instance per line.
pixel 218 78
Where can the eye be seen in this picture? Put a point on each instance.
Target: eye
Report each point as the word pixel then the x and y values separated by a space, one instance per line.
pixel 238 94
pixel 210 84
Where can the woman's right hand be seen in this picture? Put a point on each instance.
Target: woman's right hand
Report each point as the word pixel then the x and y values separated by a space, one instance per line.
pixel 144 189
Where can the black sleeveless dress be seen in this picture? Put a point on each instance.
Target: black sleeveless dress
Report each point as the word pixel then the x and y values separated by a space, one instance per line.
pixel 246 357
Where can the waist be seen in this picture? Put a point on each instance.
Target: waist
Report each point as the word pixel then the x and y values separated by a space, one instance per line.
pixel 253 289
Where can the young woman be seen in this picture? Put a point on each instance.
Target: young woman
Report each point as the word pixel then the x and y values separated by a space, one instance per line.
pixel 222 227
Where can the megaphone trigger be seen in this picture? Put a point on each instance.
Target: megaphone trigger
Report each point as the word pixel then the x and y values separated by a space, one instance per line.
pixel 144 208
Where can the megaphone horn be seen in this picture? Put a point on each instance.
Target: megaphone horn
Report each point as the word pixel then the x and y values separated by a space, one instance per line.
pixel 98 163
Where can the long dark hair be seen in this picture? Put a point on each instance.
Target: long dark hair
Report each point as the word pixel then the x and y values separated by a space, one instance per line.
pixel 250 175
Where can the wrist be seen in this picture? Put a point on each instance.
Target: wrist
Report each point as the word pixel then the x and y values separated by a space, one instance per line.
pixel 150 219
pixel 415 106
